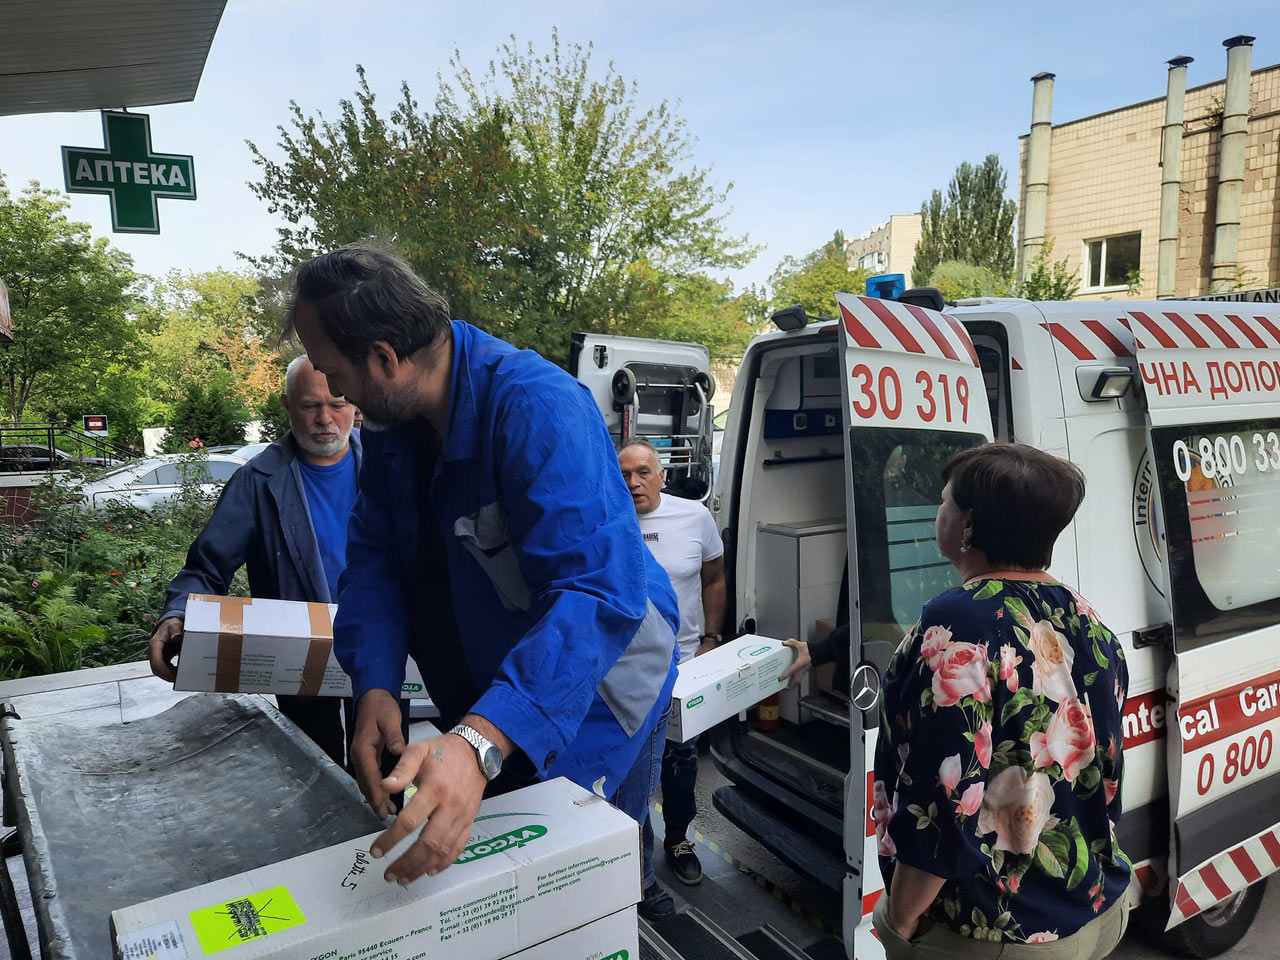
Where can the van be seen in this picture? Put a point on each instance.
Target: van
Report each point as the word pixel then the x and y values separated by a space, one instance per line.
pixel 827 488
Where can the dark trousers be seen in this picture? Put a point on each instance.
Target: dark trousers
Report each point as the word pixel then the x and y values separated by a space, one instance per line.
pixel 679 803
pixel 320 718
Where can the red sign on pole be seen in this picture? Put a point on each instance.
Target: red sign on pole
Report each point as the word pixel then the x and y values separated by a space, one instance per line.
pixel 95 423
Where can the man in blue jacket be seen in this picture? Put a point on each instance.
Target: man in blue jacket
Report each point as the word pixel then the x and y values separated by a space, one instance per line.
pixel 283 516
pixel 495 542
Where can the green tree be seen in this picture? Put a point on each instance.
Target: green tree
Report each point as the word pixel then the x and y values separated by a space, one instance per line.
pixel 208 413
pixel 274 418
pixel 71 297
pixel 814 280
pixel 538 197
pixel 956 279
pixel 1050 279
pixel 973 223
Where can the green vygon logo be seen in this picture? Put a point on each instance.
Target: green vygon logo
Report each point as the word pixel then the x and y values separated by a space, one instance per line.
pixel 620 955
pixel 514 838
pixel 748 654
pixel 693 703
pixel 410 687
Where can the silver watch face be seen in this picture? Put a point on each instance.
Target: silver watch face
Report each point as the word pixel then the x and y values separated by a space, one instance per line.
pixel 491 761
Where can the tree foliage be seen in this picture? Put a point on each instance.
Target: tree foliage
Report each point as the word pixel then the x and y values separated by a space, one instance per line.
pixel 814 280
pixel 956 280
pixel 71 297
pixel 208 413
pixel 539 197
pixel 973 223
pixel 1050 279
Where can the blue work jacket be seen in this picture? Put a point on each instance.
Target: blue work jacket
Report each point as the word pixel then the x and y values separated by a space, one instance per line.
pixel 566 621
pixel 261 522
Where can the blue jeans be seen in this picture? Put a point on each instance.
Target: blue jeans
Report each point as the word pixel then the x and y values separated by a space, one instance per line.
pixel 679 804
pixel 636 792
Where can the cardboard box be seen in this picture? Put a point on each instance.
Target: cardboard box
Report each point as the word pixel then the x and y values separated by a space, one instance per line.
pixel 718 684
pixel 541 862
pixel 243 645
pixel 615 937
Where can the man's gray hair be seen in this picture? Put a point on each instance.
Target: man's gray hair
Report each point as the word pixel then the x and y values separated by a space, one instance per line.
pixel 291 372
pixel 642 442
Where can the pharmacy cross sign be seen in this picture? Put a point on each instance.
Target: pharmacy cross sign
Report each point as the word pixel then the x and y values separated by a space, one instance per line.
pixel 129 172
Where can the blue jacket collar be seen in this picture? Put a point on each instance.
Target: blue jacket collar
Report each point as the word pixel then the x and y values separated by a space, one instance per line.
pixel 462 439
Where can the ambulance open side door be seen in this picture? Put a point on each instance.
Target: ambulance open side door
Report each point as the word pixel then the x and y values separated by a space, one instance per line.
pixel 1211 379
pixel 913 396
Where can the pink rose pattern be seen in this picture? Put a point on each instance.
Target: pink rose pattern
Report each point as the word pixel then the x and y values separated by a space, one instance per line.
pixel 1012 712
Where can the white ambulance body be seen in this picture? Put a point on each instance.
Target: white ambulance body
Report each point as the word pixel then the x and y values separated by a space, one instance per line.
pixel 1171 410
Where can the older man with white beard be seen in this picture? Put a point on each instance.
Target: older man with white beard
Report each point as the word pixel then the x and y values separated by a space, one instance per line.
pixel 283 516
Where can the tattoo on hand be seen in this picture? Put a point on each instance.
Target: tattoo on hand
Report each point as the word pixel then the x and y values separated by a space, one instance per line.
pixel 438 755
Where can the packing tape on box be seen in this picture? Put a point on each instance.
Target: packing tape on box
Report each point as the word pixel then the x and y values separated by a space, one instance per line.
pixel 319 650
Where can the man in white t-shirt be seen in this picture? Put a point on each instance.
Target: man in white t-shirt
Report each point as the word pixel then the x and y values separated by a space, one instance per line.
pixel 682 537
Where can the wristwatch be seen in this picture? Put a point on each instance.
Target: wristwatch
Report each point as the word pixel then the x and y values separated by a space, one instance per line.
pixel 712 636
pixel 487 753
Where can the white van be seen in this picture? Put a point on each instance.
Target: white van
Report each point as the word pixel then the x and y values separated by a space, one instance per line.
pixel 832 451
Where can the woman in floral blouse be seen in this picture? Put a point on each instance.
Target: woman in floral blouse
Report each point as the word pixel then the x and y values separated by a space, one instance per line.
pixel 998 764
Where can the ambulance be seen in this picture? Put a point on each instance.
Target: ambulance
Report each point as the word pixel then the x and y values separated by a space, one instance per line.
pixel 827 489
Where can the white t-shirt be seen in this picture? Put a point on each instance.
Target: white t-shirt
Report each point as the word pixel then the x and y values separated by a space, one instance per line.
pixel 682 537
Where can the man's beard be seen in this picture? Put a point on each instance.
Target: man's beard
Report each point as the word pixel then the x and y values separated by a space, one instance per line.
pixel 318 448
pixel 383 409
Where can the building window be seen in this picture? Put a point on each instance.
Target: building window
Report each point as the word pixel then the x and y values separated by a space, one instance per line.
pixel 1114 261
pixel 876 260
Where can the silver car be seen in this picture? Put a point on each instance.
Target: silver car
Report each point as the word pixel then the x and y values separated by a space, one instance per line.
pixel 144 483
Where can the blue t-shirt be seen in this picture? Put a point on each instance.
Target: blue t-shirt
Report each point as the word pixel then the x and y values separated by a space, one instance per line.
pixel 331 494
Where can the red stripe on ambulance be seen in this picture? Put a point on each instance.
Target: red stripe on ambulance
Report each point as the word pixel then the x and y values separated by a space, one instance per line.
pixel 861 336
pixel 885 314
pixel 1116 345
pixel 1227 874
pixel 931 328
pixel 1064 337
pixel 1229 712
pixel 963 335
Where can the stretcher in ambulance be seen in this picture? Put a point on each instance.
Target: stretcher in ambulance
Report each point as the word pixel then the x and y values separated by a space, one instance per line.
pixel 827 491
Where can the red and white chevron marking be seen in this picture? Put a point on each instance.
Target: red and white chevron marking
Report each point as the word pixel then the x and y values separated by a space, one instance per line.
pixel 1227 873
pixel 906 328
pixel 1093 339
pixel 1185 330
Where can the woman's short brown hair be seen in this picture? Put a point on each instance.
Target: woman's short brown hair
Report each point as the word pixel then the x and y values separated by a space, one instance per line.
pixel 1021 498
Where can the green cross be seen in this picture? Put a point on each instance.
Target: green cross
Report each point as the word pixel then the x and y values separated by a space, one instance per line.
pixel 129 172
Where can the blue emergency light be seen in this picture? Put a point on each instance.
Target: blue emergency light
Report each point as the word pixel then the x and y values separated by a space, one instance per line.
pixel 887 286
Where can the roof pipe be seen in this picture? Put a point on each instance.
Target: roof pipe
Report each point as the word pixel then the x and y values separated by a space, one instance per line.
pixel 1035 201
pixel 1235 127
pixel 1171 176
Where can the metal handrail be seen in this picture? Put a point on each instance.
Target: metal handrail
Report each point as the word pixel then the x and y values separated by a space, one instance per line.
pixel 47 434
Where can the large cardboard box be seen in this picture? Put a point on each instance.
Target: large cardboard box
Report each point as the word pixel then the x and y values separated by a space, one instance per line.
pixel 615 937
pixel 724 681
pixel 541 862
pixel 247 645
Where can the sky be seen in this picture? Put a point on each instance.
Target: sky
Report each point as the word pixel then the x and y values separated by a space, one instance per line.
pixel 822 116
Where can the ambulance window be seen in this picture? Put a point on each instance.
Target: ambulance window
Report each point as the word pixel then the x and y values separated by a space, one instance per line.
pixel 991 343
pixel 897 476
pixel 1220 490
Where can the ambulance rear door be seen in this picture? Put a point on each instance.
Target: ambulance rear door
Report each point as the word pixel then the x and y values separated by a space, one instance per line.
pixel 1211 379
pixel 912 397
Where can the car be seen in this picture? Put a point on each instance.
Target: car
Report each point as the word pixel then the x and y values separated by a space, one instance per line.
pixel 250 450
pixel 145 483
pixel 28 457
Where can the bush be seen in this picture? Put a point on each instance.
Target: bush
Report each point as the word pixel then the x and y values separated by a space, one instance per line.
pixel 209 414
pixel 274 419
pixel 82 589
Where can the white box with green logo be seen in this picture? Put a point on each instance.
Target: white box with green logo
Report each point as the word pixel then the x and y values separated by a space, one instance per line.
pixel 615 937
pixel 541 862
pixel 724 681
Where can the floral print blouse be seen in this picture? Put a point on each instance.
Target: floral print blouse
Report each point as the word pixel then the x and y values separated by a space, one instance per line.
pixel 999 761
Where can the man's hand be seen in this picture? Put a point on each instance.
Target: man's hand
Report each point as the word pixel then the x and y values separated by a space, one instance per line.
pixel 450 787
pixel 906 928
pixel 706 646
pixel 803 662
pixel 377 729
pixel 165 645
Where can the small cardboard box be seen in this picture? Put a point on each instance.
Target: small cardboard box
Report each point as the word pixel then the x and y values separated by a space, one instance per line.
pixel 246 645
pixel 724 681
pixel 541 862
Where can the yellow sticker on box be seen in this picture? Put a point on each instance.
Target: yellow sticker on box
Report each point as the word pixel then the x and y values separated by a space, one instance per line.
pixel 235 922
